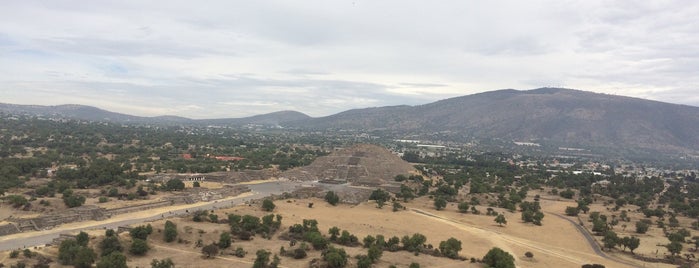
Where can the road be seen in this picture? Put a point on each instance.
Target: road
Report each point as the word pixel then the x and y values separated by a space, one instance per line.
pixel 593 243
pixel 40 238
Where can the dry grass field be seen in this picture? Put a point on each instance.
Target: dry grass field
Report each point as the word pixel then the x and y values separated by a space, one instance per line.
pixel 557 243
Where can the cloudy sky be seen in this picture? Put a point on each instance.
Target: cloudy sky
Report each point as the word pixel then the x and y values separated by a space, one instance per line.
pixel 212 59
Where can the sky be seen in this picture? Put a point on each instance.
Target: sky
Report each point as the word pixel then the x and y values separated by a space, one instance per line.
pixel 217 59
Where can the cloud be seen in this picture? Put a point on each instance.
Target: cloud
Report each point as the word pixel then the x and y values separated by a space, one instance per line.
pixel 239 58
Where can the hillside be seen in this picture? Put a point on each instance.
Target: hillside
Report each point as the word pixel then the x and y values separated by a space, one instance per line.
pixel 558 116
pixel 89 113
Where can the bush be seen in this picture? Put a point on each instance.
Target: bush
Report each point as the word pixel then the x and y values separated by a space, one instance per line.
pixel 499 258
pixel 170 231
pixel 113 260
pixel 332 198
pixel 268 205
pixel 139 247
pixel 164 263
pixel 641 227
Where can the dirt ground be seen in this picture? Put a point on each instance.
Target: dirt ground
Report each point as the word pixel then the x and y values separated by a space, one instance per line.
pixel 555 244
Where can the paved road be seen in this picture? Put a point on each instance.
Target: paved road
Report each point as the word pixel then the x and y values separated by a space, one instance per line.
pixel 40 238
pixel 593 243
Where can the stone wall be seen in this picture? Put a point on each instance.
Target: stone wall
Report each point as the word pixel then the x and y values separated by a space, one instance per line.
pixel 8 229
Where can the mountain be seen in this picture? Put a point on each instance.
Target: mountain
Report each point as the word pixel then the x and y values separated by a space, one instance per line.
pixel 275 118
pixel 552 117
pixel 89 113
pixel 562 117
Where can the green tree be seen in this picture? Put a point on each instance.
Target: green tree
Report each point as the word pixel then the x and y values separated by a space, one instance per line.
pixel 500 219
pixel 170 232
pixel 268 205
pixel 164 263
pixel 633 243
pixel 440 203
pixel 110 244
pixel 674 247
pixel 498 258
pixel 224 240
pixel 572 211
pixel 334 233
pixel 642 227
pixel 16 200
pixel 67 251
pixel 336 258
pixel 450 248
pixel 140 232
pixel 374 253
pixel 113 260
pixel 414 265
pixel 82 238
pixel 610 239
pixel 84 258
pixel 332 198
pixel 174 185
pixel 210 250
pixel 262 259
pixel 463 207
pixel 139 247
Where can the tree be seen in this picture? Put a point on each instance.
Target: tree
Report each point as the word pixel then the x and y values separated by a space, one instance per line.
pixel 463 207
pixel 538 216
pixel 572 211
pixel 498 258
pixel 140 232
pixel 332 198
pixel 414 265
pixel 174 185
pixel 529 254
pixel 84 258
pixel 268 205
pixel 16 200
pixel 82 238
pixel 110 244
pixel 113 260
pixel 450 248
pixel 633 243
pixel 262 259
pixel 674 247
pixel 369 241
pixel 72 201
pixel 170 232
pixel 196 184
pixel 336 258
pixel 224 240
pixel 440 203
pixel 164 263
pixel 139 247
pixel 500 219
pixel 334 233
pixel 374 253
pixel 210 250
pixel 67 251
pixel 610 239
pixel 641 227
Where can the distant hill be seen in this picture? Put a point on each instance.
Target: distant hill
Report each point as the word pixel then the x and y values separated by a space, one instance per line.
pixel 551 115
pixel 89 113
pixel 275 118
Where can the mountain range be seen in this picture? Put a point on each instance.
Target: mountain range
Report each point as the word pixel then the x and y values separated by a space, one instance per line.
pixel 562 117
